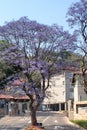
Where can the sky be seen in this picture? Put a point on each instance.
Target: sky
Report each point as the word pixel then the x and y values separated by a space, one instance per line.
pixel 43 11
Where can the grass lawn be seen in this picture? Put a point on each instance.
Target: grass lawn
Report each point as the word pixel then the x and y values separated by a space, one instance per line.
pixel 82 123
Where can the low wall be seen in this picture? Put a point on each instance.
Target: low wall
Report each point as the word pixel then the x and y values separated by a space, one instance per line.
pixel 80 116
pixel 71 115
pixel 80 112
pixel 70 110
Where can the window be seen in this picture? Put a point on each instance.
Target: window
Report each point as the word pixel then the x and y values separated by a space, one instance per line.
pixel 63 82
pixel 79 97
pixel 62 106
pixel 71 90
pixel 63 92
pixel 2 102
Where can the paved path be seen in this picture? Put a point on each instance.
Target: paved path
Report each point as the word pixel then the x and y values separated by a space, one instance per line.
pixel 51 121
pixel 13 123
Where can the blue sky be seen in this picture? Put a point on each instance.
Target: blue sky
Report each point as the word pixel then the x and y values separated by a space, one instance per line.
pixel 43 11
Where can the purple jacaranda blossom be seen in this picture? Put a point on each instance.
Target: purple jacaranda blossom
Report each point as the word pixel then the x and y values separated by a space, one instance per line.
pixel 32 52
pixel 77 12
pixel 77 18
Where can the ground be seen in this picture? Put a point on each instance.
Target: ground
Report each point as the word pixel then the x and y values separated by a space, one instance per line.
pixel 50 121
pixel 34 128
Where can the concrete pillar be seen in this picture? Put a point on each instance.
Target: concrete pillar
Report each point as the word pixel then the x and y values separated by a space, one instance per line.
pixel 20 108
pixel 70 112
pixel 69 105
pixel 9 109
pixel 59 106
pixel 27 112
pixel 28 106
pixel 6 109
pixel 65 107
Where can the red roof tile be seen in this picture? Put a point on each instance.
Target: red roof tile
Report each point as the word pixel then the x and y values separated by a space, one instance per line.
pixel 21 97
pixel 4 96
pixel 18 82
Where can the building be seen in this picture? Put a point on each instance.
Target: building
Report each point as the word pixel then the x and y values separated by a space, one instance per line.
pixel 77 108
pixel 13 105
pixel 80 98
pixel 59 92
pixel 65 93
pixel 13 100
pixel 79 93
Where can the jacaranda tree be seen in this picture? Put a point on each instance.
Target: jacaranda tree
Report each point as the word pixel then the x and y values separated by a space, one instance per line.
pixel 77 17
pixel 32 52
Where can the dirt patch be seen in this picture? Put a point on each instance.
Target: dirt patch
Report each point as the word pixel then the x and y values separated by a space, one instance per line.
pixel 34 128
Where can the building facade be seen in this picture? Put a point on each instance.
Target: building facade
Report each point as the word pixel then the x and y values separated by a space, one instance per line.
pixel 80 98
pixel 18 105
pixel 59 92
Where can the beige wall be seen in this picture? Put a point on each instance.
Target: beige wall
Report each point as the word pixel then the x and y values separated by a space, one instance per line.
pixel 59 90
pixel 80 100
pixel 80 110
pixel 56 91
pixel 79 93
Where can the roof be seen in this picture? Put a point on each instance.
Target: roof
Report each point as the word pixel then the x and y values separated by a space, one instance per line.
pixel 17 82
pixel 4 96
pixel 73 69
pixel 21 97
pixel 79 72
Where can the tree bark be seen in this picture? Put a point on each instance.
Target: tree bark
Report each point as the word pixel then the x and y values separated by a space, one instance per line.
pixel 33 118
pixel 33 109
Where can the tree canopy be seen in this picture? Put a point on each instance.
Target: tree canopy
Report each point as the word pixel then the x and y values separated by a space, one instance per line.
pixel 32 51
pixel 77 17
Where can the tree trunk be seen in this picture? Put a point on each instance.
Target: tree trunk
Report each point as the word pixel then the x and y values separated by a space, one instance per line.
pixel 33 118
pixel 33 108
